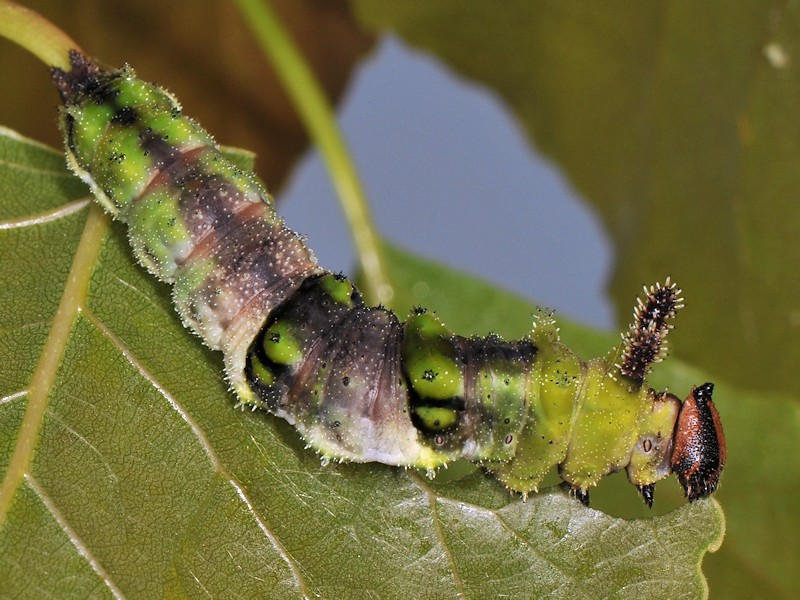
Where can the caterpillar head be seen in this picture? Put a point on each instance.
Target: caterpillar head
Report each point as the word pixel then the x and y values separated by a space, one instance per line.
pixel 651 456
pixel 682 438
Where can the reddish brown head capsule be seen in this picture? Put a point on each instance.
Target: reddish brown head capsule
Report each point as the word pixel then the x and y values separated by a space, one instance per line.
pixel 698 456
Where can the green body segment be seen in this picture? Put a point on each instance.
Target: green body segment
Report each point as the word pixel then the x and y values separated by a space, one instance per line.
pixel 298 341
pixel 555 396
pixel 606 426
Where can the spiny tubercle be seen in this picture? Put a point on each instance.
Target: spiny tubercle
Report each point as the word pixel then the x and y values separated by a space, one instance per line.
pixel 645 342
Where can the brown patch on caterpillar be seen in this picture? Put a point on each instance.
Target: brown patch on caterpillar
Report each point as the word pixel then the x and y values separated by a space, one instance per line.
pixel 645 343
pixel 162 153
pixel 173 167
pixel 126 116
pixel 365 418
pixel 201 207
pixel 84 77
pixel 207 201
pixel 257 265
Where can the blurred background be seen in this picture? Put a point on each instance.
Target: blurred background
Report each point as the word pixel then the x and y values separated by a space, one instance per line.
pixel 566 152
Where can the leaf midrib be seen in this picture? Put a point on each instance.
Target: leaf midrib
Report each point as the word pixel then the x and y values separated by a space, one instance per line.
pixel 72 299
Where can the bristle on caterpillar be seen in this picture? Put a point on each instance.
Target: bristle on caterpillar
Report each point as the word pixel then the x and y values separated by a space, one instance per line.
pixel 645 342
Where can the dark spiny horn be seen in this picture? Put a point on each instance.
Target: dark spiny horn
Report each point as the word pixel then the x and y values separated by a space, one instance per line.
pixel 645 342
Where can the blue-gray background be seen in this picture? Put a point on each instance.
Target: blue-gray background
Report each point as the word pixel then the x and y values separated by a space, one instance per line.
pixel 449 176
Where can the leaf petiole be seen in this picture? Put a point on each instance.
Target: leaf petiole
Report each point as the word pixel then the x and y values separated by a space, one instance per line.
pixel 36 34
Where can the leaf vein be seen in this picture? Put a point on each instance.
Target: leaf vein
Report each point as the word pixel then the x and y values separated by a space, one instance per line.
pixel 522 540
pixel 54 416
pixel 12 397
pixel 46 216
pixel 36 170
pixel 437 526
pixel 73 537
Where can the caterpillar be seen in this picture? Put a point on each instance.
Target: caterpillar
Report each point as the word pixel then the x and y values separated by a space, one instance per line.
pixel 356 382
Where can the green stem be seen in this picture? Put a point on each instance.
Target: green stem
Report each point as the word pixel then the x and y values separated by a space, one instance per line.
pixel 316 112
pixel 36 34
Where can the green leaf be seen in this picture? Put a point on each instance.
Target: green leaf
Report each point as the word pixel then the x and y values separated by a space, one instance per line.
pixel 131 475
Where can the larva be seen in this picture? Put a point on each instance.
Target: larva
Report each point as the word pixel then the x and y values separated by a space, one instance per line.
pixel 356 382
